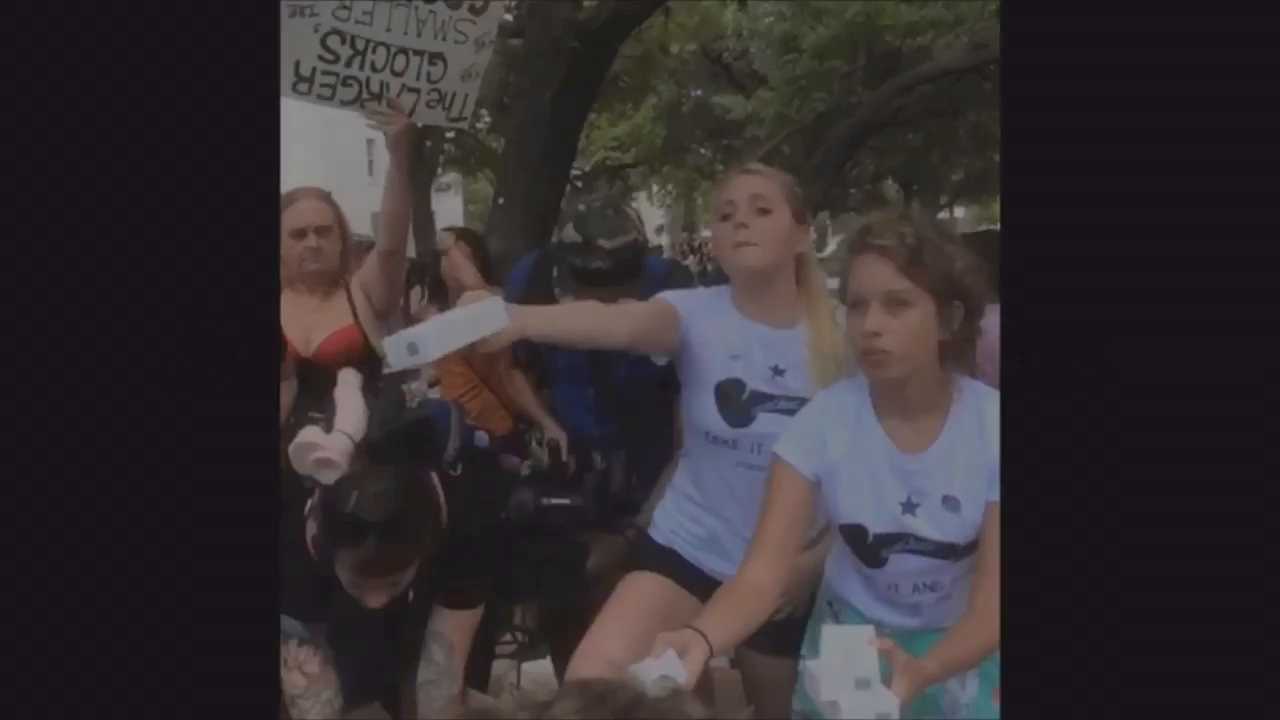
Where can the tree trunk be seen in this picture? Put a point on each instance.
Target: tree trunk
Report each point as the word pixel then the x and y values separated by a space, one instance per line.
pixel 675 226
pixel 689 211
pixel 839 143
pixel 564 66
pixel 422 174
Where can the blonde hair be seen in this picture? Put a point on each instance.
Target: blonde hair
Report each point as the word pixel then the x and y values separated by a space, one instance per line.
pixel 829 356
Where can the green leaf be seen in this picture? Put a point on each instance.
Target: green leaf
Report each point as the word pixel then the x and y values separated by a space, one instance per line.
pixel 735 107
pixel 669 109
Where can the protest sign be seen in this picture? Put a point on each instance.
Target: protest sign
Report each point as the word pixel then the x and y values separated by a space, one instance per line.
pixel 428 54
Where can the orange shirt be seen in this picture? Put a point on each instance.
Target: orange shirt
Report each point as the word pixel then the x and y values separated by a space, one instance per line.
pixel 474 380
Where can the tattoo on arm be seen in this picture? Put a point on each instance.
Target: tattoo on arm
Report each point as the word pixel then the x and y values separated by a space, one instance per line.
pixel 309 682
pixel 316 704
pixel 439 676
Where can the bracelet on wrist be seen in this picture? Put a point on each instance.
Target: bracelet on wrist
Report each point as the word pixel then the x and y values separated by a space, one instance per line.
pixel 711 651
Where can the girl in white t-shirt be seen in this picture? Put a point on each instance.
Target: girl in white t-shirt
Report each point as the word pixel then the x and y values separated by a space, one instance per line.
pixel 749 354
pixel 904 461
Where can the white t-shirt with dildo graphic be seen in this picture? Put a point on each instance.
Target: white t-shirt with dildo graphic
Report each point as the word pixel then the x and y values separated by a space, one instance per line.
pixel 907 524
pixel 741 384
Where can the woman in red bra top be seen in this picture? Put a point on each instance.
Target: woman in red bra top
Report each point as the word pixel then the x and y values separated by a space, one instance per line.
pixel 331 316
pixel 331 313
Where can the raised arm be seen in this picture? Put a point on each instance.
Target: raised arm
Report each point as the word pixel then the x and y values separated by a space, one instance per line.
pixel 746 601
pixel 651 327
pixel 382 276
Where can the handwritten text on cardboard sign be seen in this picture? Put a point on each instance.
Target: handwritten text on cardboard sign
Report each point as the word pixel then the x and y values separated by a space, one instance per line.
pixel 428 54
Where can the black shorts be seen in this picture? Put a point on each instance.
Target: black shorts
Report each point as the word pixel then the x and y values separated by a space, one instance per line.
pixel 779 638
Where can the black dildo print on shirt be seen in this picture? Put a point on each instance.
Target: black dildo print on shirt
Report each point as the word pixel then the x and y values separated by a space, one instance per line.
pixel 874 550
pixel 740 405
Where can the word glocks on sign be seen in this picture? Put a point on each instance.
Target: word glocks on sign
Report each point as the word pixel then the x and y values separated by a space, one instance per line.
pixel 428 54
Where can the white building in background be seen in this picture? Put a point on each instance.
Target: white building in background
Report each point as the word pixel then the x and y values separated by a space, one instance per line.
pixel 333 149
pixel 657 220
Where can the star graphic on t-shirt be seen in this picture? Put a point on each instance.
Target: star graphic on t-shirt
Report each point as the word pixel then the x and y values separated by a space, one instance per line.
pixel 909 507
pixel 778 371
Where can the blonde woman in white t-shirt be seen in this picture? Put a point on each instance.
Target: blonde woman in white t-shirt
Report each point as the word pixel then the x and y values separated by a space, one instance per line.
pixel 749 354
pixel 904 462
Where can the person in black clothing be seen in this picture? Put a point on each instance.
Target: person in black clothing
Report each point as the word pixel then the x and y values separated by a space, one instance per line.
pixel 413 582
pixel 619 410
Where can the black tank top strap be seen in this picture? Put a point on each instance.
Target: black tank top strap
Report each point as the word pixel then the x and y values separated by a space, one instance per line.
pixel 371 366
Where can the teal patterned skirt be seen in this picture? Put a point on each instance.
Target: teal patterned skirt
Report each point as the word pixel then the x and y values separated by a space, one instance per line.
pixel 971 695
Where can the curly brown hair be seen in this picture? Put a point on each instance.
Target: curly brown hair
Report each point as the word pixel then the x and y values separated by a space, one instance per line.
pixel 933 258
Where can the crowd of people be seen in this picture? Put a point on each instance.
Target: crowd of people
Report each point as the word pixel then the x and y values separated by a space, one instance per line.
pixel 695 252
pixel 638 463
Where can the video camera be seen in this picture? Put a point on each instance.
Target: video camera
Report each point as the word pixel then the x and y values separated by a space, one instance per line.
pixel 549 495
pixel 406 426
pixel 592 495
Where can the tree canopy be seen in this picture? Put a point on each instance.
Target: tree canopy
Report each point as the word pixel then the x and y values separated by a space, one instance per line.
pixel 845 95
pixel 705 85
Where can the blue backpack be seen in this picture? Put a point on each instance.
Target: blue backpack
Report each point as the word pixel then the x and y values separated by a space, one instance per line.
pixel 605 400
